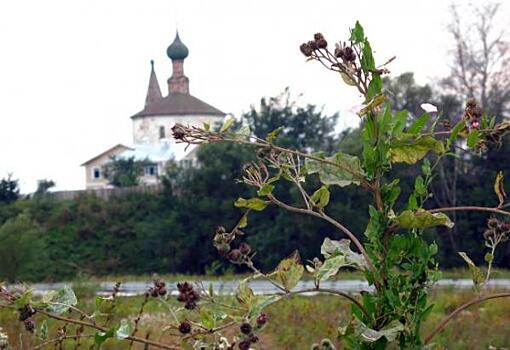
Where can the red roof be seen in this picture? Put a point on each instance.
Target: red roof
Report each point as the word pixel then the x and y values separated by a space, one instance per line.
pixel 178 104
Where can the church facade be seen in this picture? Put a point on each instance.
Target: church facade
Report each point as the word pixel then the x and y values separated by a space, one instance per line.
pixel 152 138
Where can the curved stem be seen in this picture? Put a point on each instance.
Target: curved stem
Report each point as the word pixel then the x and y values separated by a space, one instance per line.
pixel 103 329
pixel 55 340
pixel 464 306
pixel 329 219
pixel 470 208
pixel 335 292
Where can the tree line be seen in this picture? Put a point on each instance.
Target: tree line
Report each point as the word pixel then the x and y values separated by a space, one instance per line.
pixel 45 239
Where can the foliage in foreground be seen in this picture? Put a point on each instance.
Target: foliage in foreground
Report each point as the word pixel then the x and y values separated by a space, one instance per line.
pixel 396 260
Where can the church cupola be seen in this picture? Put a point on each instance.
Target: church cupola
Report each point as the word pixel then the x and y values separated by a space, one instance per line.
pixel 177 52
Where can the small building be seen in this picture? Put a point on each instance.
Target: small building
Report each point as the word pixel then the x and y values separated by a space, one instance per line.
pixel 152 138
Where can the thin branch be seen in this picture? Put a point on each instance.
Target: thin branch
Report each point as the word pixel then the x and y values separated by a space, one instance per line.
pixel 470 208
pixel 103 329
pixel 464 306
pixel 56 340
pixel 335 292
pixel 329 219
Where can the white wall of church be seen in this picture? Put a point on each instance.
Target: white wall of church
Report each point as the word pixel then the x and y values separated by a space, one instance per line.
pixel 147 129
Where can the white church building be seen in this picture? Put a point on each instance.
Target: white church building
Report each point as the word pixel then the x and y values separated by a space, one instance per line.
pixel 152 137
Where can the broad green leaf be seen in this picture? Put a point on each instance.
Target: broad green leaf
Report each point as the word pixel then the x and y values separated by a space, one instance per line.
pixel 252 203
pixel 499 188
pixel 24 299
pixel 346 172
pixel 473 137
pixel 338 254
pixel 227 124
pixel 207 318
pixel 357 33
pixel 123 331
pixel 367 60
pixel 422 219
pixel 320 198
pixel 261 302
pixel 274 134
pixel 289 271
pixel 419 124
pixel 43 330
pixel 243 222
pixel 409 149
pixel 477 275
pixel 375 102
pixel 207 126
pixel 265 190
pixel 243 133
pixel 390 332
pixel 104 304
pixel 347 79
pixel 455 132
pixel 400 122
pixel 100 337
pixel 244 294
pixel 60 301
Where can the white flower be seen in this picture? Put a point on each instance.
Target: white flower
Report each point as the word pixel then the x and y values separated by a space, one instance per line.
pixel 428 107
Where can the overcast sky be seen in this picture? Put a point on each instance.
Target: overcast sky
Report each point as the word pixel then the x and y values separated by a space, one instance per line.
pixel 73 72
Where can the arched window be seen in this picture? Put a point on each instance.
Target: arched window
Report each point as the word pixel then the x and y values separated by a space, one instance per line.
pixel 161 132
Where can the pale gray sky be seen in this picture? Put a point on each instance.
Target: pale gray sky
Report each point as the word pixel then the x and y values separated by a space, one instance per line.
pixel 73 72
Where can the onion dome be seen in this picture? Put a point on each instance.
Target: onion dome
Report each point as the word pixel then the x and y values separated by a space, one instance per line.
pixel 177 50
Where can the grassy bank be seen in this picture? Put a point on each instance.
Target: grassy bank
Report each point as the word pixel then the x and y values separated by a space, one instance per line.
pixel 297 322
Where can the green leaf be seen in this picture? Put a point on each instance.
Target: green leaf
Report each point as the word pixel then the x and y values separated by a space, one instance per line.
pixel 473 137
pixel 390 332
pixel 43 330
pixel 320 198
pixel 244 294
pixel 123 331
pixel 477 275
pixel 207 126
pixel 243 222
pixel 289 271
pixel 252 203
pixel 367 59
pixel 104 304
pixel 375 86
pixel 499 188
pixel 400 122
pixel 409 149
pixel 338 254
pixel 455 132
pixel 59 301
pixel 243 133
pixel 274 134
pixel 418 124
pixel 207 318
pixel 346 171
pixel 261 302
pixel 227 124
pixel 422 219
pixel 265 190
pixel 488 258
pixel 357 33
pixel 100 337
pixel 347 79
pixel 419 186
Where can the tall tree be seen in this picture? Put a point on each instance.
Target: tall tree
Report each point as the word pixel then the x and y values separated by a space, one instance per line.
pixel 481 58
pixel 9 189
pixel 304 127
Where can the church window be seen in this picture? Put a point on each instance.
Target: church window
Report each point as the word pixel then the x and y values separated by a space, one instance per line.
pixel 151 170
pixel 161 132
pixel 96 173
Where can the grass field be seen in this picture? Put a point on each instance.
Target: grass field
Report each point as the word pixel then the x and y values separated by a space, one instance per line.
pixel 298 322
